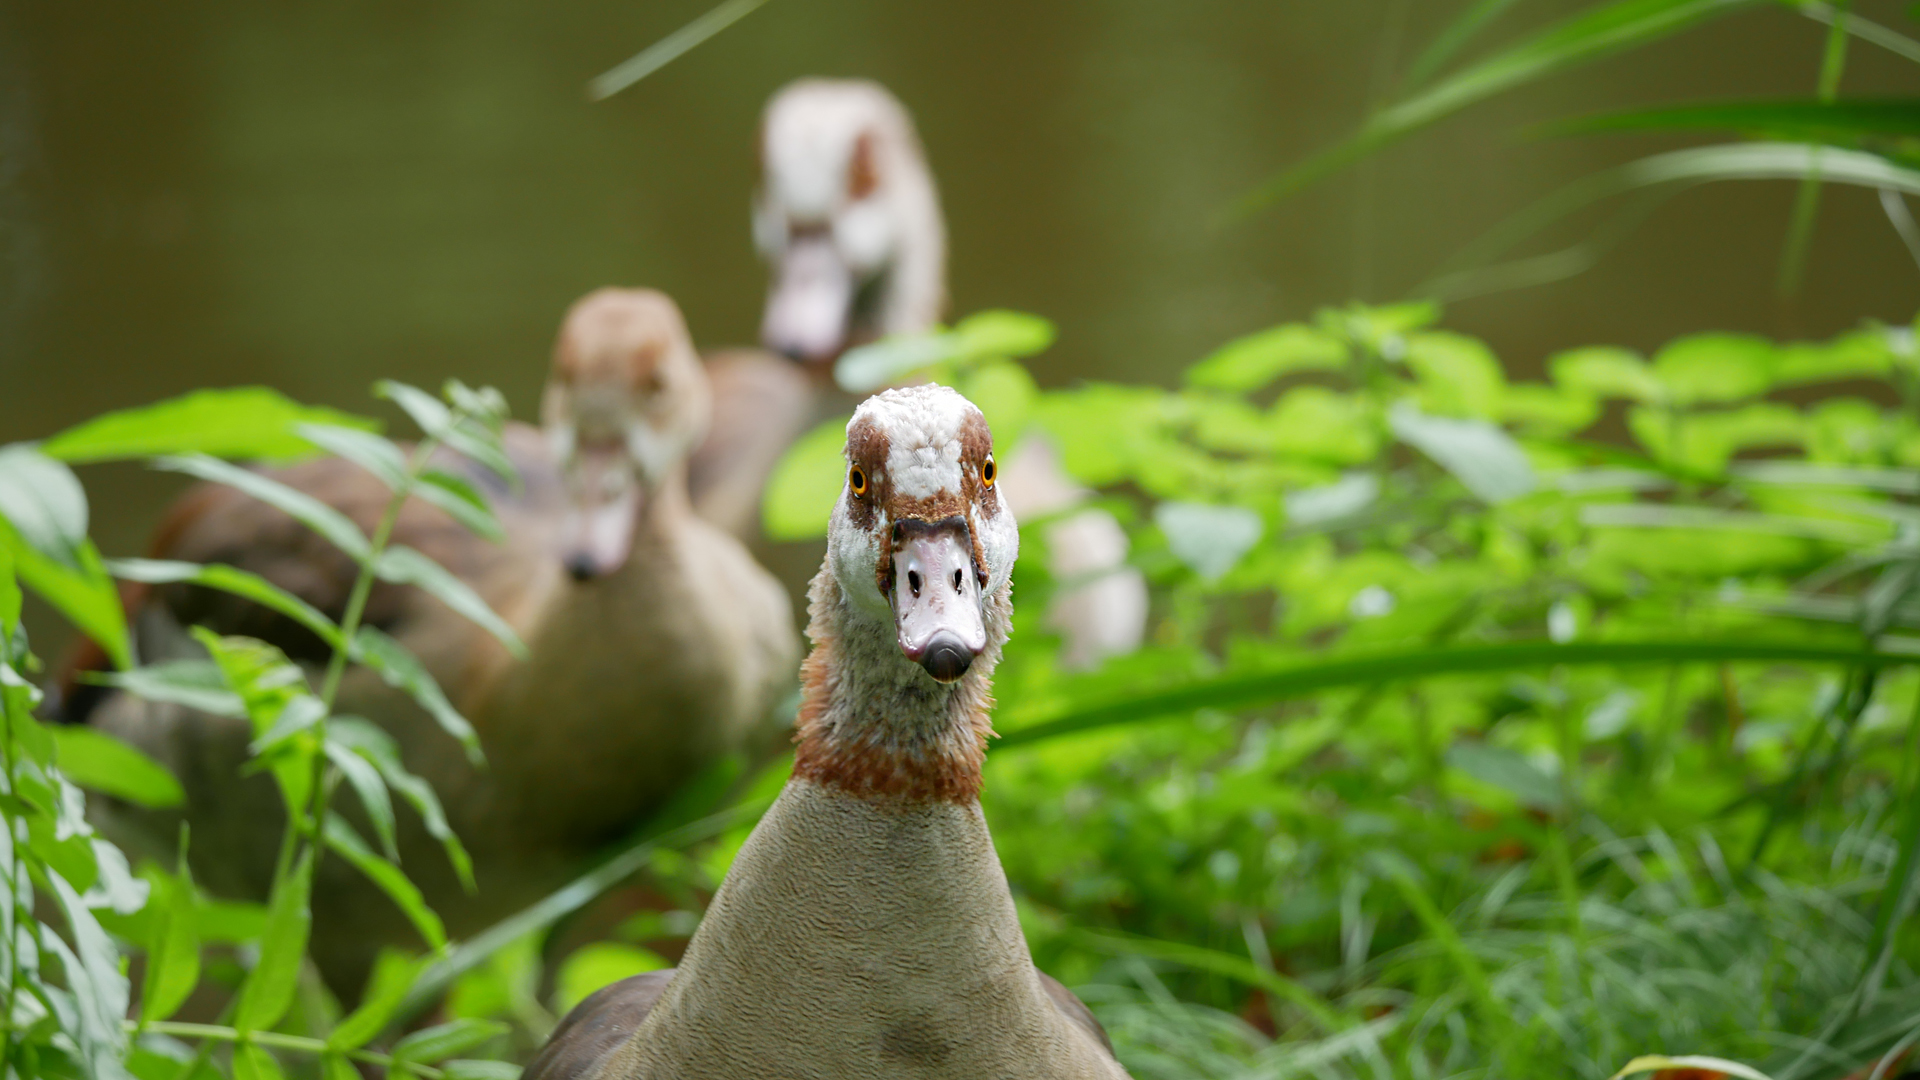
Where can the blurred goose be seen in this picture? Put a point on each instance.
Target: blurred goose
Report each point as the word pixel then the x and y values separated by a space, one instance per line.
pixel 849 219
pixel 865 929
pixel 656 644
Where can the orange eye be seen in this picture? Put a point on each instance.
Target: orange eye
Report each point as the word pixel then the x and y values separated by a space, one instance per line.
pixel 857 480
pixel 987 471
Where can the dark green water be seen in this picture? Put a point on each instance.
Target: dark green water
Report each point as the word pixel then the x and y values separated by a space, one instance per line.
pixel 314 195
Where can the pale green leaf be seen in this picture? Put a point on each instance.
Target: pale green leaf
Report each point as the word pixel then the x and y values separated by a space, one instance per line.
pixel 246 422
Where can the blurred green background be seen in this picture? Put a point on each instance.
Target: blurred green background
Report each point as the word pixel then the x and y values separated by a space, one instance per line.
pixel 316 195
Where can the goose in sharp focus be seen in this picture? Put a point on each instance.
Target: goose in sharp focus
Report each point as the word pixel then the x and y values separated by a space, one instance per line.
pixel 656 644
pixel 865 929
pixel 849 219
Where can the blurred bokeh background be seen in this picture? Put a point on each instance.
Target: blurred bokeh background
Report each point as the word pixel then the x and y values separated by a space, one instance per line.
pixel 312 196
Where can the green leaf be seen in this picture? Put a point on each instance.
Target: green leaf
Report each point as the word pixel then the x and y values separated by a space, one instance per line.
pixel 1004 393
pixel 86 596
pixel 1843 123
pixel 232 580
pixel 374 453
pixel 1455 35
pixel 1253 361
pixel 984 336
pixel 343 841
pixel 300 713
pixel 1508 770
pixel 405 566
pixel 94 759
pixel 393 973
pixel 364 777
pixel 601 964
pixel 1210 540
pixel 1606 373
pixel 43 501
pixel 196 684
pixel 799 496
pixel 1001 334
pixel 398 668
pixel 461 500
pixel 465 1069
pixel 173 950
pixel 378 747
pixel 1714 367
pixel 268 991
pixel 1479 454
pixel 93 973
pixel 1687 1063
pixel 242 422
pixel 1459 375
pixel 316 515
pixel 9 601
pixel 252 1062
pixel 442 1041
pixel 477 437
pixel 1238 968
pixel 1593 33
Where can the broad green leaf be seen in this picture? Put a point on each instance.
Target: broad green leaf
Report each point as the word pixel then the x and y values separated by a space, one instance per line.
pixel 1704 442
pixel 233 580
pixel 268 991
pixel 374 453
pixel 1547 410
pixel 197 684
pixel 442 1041
pixel 986 335
pixel 343 841
pixel 1508 770
pixel 601 964
pixel 1210 540
pixel 393 973
pixel 1685 1063
pixel 1714 367
pixel 364 777
pixel 248 422
pixel 378 747
pixel 1253 361
pixel 1001 334
pixel 398 667
pixel 405 566
pixel 461 501
pixel 173 950
pixel 300 713
pixel 1480 455
pixel 253 1062
pixel 1004 393
pixel 1459 375
pixel 1315 422
pixel 94 759
pixel 339 531
pixel 43 501
pixel 1606 373
pixel 1592 33
pixel 799 497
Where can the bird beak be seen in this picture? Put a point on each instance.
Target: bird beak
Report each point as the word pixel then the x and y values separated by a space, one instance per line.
pixel 811 302
pixel 603 498
pixel 936 596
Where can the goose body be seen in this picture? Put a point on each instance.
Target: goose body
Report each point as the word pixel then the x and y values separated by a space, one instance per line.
pixel 655 646
pixel 866 929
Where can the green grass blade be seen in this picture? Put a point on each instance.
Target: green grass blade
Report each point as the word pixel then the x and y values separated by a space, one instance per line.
pixel 669 48
pixel 1247 689
pixel 1594 33
pixel 1455 36
pixel 1238 968
pixel 1834 122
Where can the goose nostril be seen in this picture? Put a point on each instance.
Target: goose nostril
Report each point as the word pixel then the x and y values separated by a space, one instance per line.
pixel 956 581
pixel 913 582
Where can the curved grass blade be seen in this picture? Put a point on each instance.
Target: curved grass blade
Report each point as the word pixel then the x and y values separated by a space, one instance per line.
pixel 1456 35
pixel 1863 28
pixel 1592 34
pixel 669 48
pixel 251 422
pixel 1238 968
pixel 1243 690
pixel 1833 122
pixel 364 777
pixel 233 580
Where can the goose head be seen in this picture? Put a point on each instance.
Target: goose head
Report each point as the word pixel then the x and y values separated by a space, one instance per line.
pixel 625 403
pixel 921 543
pixel 848 218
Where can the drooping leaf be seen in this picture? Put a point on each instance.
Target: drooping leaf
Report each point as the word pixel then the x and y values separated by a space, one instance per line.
pixel 405 566
pixel 94 759
pixel 43 501
pixel 343 841
pixel 173 950
pixel 86 596
pixel 340 531
pixel 374 453
pixel 233 580
pixel 243 422
pixel 398 667
pixel 799 496
pixel 100 990
pixel 378 747
pixel 1478 454
pixel 393 973
pixel 365 780
pixel 268 991
pixel 461 501
pixel 196 684
pixel 442 1041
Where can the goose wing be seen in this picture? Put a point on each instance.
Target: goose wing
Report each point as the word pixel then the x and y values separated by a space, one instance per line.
pixel 607 1018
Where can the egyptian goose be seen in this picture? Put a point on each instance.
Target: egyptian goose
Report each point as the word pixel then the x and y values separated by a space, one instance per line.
pixel 656 644
pixel 849 219
pixel 865 928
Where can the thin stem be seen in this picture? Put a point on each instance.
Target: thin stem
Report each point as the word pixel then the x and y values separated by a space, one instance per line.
pixel 14 871
pixel 1806 206
pixel 213 1033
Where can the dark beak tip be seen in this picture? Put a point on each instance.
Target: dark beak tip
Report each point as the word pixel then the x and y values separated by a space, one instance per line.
pixel 946 658
pixel 581 567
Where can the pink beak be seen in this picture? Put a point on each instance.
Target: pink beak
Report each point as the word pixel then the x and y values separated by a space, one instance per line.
pixel 936 597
